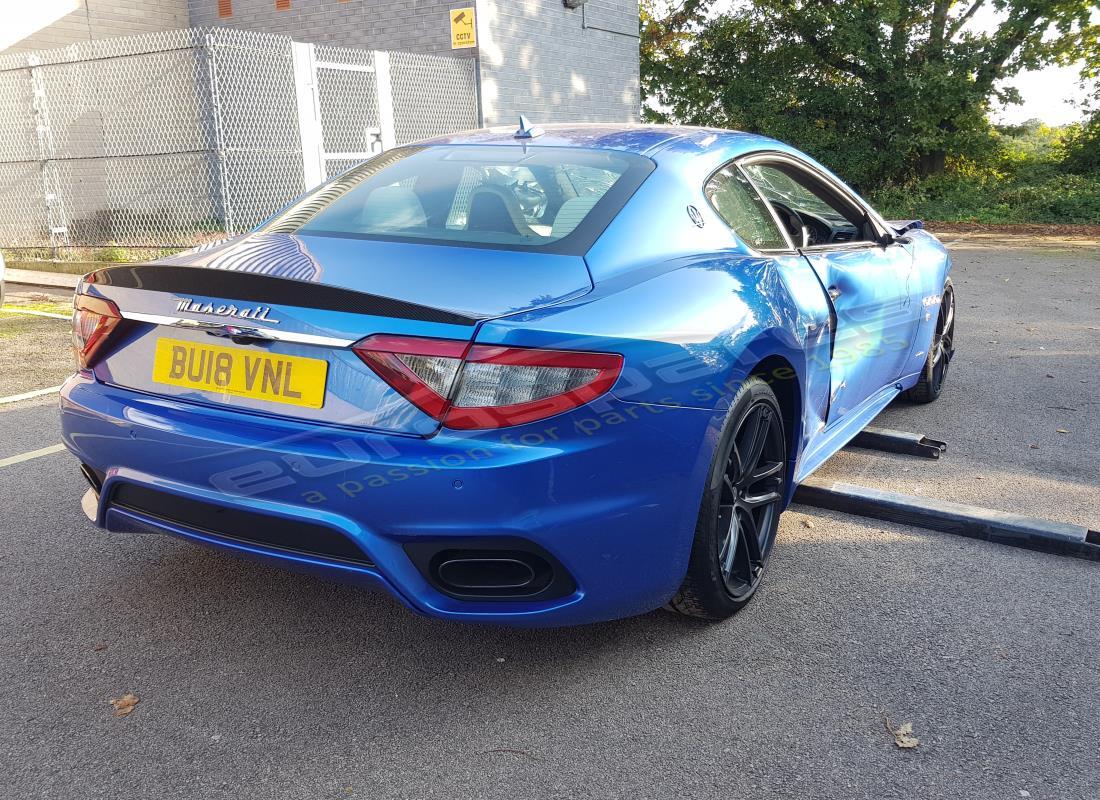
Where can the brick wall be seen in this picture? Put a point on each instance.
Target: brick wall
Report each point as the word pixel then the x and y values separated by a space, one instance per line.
pixel 557 64
pixel 104 19
pixel 537 57
pixel 419 26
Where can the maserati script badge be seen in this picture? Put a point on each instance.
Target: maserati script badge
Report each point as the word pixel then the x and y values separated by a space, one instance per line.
pixel 255 313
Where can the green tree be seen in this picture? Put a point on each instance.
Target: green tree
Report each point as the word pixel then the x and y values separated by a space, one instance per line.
pixel 1083 149
pixel 876 88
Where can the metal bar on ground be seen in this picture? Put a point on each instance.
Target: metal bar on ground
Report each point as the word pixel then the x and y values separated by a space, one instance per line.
pixel 999 527
pixel 891 441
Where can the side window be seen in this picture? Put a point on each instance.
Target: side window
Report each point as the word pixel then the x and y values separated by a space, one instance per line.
pixel 733 197
pixel 802 201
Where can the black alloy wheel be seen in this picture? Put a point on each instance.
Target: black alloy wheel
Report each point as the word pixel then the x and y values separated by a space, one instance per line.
pixel 750 496
pixel 943 343
pixel 940 351
pixel 739 515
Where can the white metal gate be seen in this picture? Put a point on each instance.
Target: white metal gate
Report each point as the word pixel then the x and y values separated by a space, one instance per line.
pixel 345 107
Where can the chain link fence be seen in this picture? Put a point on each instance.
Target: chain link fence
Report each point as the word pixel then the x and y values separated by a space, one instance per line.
pixel 173 139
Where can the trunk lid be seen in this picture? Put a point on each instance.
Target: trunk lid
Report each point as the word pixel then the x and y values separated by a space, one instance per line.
pixel 270 319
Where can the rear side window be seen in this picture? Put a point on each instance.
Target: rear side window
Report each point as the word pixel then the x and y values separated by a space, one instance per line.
pixel 548 198
pixel 735 200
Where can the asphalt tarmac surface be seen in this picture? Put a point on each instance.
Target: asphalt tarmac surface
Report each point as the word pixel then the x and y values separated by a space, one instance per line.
pixel 254 683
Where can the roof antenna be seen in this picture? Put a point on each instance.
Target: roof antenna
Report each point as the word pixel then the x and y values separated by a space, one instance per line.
pixel 527 130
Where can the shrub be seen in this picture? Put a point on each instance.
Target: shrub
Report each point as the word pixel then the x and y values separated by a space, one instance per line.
pixel 1083 148
pixel 1028 181
pixel 114 254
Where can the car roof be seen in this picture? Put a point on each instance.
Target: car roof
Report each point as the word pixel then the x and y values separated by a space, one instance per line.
pixel 646 140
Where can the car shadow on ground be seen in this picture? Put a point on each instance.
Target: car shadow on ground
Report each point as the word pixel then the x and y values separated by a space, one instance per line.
pixel 288 627
pixel 196 582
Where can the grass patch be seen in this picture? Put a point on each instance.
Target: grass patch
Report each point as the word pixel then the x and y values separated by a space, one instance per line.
pixel 46 306
pixel 13 325
pixel 100 256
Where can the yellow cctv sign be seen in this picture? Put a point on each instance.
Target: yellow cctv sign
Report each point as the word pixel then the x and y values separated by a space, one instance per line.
pixel 463 32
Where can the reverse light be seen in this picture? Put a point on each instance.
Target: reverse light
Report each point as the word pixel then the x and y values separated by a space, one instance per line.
pixel 471 387
pixel 94 320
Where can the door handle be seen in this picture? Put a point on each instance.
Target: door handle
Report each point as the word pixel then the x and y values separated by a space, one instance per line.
pixel 834 293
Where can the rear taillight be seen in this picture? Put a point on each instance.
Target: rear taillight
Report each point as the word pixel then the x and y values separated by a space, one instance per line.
pixel 503 386
pixel 94 320
pixel 423 370
pixel 488 386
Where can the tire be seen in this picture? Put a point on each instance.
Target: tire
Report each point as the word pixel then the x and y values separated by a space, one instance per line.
pixel 940 351
pixel 725 569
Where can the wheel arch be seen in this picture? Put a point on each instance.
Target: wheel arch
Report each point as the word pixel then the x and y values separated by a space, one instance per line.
pixel 780 374
pixel 784 361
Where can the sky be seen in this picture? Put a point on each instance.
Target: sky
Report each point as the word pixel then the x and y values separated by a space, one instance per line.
pixel 1048 94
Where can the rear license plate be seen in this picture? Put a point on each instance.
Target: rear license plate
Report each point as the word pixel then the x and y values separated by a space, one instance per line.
pixel 234 371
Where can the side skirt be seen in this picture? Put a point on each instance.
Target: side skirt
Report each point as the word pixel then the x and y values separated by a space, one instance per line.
pixel 833 437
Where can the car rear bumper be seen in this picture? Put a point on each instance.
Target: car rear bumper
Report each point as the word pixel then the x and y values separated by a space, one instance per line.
pixel 607 495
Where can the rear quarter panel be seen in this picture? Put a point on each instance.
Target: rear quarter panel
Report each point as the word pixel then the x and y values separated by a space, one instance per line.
pixel 691 330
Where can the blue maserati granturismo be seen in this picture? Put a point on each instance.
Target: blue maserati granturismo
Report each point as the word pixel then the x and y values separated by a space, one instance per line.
pixel 533 377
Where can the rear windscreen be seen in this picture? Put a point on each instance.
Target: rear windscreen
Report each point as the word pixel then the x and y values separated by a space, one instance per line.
pixel 557 199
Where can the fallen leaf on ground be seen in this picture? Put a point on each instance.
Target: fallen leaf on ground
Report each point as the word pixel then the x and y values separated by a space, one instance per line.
pixel 1062 430
pixel 903 735
pixel 100 646
pixel 904 738
pixel 125 704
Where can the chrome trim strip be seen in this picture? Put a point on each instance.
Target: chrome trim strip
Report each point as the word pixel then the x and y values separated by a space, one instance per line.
pixel 266 333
